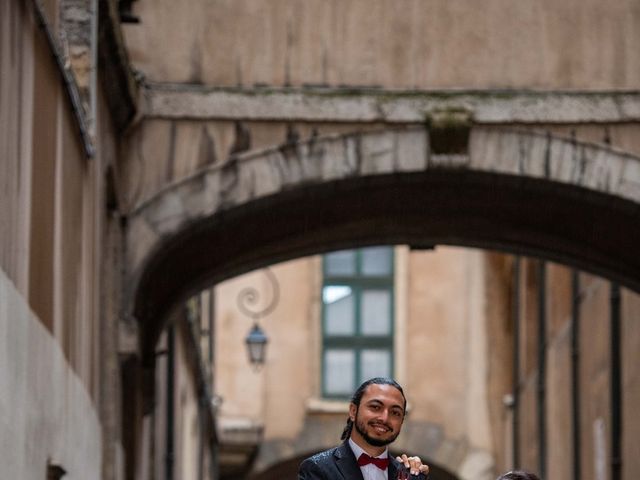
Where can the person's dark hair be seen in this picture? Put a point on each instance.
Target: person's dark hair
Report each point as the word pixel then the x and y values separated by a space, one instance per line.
pixel 357 396
pixel 518 475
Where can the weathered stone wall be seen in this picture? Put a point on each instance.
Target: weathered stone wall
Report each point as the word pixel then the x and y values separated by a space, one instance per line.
pixel 164 151
pixel 630 334
pixel 420 44
pixel 51 224
pixel 76 41
pixel 17 96
pixel 592 312
pixel 499 325
pixel 559 401
pixel 60 366
pixel 47 414
pixel 595 378
pixel 187 422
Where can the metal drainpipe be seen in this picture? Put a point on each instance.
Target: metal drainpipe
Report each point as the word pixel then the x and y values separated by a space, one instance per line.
pixel 616 385
pixel 202 393
pixel 201 436
pixel 212 330
pixel 207 429
pixel 575 372
pixel 515 315
pixel 212 306
pixel 542 367
pixel 169 453
pixel 616 372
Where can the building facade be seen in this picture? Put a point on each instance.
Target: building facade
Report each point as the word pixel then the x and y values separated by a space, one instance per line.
pixel 66 357
pixel 150 150
pixel 466 327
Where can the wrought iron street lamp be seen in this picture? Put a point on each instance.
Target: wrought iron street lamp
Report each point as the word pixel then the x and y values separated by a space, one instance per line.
pixel 256 346
pixel 257 340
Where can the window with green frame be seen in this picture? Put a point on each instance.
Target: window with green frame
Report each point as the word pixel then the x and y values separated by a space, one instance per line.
pixel 357 318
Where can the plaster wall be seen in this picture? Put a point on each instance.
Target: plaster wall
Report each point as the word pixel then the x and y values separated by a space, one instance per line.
pixel 59 344
pixel 107 305
pixel 630 334
pixel 593 321
pixel 558 381
pixel 275 395
pixel 46 412
pixel 437 336
pixel 416 44
pixel 16 96
pixel 595 422
pixel 51 194
pixel 187 426
pixel 499 318
pixel 448 367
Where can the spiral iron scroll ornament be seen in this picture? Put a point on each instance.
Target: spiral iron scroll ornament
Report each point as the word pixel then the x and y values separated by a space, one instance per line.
pixel 249 299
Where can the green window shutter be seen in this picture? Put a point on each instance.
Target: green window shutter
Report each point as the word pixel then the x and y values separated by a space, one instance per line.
pixel 357 318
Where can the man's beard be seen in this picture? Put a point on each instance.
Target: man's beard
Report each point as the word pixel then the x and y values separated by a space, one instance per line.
pixel 376 442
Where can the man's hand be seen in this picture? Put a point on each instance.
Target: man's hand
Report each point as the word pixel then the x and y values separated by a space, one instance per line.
pixel 414 464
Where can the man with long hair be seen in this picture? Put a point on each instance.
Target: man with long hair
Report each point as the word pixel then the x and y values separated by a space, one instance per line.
pixel 376 413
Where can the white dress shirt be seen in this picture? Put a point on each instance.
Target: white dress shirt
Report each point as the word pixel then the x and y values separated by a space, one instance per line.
pixel 370 471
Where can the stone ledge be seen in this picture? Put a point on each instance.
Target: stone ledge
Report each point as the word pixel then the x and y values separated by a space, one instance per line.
pixel 321 405
pixel 342 105
pixel 239 431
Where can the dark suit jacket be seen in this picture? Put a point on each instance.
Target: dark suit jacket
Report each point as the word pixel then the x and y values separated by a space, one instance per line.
pixel 340 463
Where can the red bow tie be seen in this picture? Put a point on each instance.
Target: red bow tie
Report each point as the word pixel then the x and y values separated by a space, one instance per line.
pixel 381 463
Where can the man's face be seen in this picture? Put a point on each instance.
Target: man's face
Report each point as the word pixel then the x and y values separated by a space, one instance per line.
pixel 378 418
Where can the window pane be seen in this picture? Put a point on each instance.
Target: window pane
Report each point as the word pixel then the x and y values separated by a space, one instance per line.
pixel 375 363
pixel 333 293
pixel 339 371
pixel 376 261
pixel 339 317
pixel 376 310
pixel 340 263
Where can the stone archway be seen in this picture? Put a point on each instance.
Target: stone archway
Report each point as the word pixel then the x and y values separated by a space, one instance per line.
pixel 512 190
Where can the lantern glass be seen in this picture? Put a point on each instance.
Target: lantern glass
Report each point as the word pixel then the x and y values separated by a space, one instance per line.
pixel 256 346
